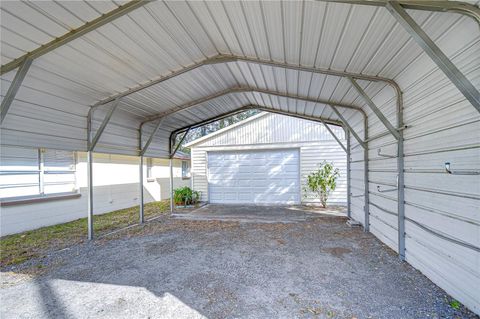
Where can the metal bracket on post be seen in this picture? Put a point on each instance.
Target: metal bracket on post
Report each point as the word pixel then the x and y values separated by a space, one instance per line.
pixel 379 153
pixel 335 136
pixel 143 149
pixel 179 143
pixel 14 87
pixel 434 52
pixel 102 127
pixel 449 171
pixel 387 190
pixel 350 129
pixel 375 109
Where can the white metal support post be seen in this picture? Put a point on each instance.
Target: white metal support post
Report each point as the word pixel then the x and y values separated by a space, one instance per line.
pixel 171 185
pixel 349 205
pixel 90 193
pixel 142 218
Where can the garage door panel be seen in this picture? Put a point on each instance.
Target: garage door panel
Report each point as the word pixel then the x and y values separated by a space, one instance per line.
pixel 270 176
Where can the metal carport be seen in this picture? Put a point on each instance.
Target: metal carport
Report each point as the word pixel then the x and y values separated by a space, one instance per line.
pixel 401 77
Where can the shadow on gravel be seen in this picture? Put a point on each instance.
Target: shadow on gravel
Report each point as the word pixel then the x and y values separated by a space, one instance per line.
pixel 177 268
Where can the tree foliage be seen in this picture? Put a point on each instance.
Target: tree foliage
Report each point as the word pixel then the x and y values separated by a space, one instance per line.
pixel 212 127
pixel 323 181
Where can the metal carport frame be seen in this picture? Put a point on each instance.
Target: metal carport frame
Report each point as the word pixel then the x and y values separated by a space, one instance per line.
pixel 397 9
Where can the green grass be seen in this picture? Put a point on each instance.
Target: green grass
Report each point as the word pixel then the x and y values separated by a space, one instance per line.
pixel 455 304
pixel 15 249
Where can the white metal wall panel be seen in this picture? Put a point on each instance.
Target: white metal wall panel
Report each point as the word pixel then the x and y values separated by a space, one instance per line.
pixel 443 210
pixel 255 176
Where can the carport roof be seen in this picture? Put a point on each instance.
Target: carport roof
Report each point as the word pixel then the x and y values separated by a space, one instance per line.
pixel 183 62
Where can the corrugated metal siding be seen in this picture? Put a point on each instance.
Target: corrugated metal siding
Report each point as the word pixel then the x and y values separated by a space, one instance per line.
pixel 443 127
pixel 357 177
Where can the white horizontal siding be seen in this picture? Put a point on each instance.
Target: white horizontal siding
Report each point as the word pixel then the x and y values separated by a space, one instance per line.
pixel 199 172
pixel 273 128
pixel 274 131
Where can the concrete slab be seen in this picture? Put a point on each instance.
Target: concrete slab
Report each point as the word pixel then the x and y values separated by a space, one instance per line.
pixel 258 213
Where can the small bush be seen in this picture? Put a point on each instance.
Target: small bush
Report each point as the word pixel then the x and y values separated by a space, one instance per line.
pixel 323 181
pixel 185 196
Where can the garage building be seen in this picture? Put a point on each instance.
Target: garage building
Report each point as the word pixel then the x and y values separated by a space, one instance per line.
pixel 265 159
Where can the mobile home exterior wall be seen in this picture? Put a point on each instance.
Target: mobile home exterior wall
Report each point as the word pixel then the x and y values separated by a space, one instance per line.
pixel 116 184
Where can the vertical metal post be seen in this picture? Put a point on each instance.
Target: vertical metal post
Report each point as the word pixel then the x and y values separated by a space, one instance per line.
pixel 401 183
pixel 366 208
pixel 90 193
pixel 141 191
pixel 349 206
pixel 41 172
pixel 171 185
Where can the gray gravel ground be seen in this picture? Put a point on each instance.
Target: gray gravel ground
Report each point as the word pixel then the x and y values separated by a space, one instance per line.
pixel 170 268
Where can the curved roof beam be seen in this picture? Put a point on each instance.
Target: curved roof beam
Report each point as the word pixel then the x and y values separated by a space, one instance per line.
pixel 333 105
pixel 255 107
pixel 219 59
pixel 464 8
pixel 74 34
pixel 324 121
pixel 233 90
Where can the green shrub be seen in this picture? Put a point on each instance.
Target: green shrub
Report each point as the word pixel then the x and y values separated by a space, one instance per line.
pixel 323 181
pixel 185 196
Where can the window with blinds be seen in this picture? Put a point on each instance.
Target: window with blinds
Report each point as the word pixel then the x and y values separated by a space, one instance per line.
pixel 27 172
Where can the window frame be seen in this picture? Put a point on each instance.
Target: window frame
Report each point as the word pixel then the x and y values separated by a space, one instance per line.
pixel 187 175
pixel 149 170
pixel 41 172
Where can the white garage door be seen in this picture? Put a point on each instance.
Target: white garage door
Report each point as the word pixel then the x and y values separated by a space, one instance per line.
pixel 270 177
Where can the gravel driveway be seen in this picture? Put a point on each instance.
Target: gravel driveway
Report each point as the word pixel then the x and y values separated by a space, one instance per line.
pixel 316 267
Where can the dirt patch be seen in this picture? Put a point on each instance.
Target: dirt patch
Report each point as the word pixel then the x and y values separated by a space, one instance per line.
pixel 337 251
